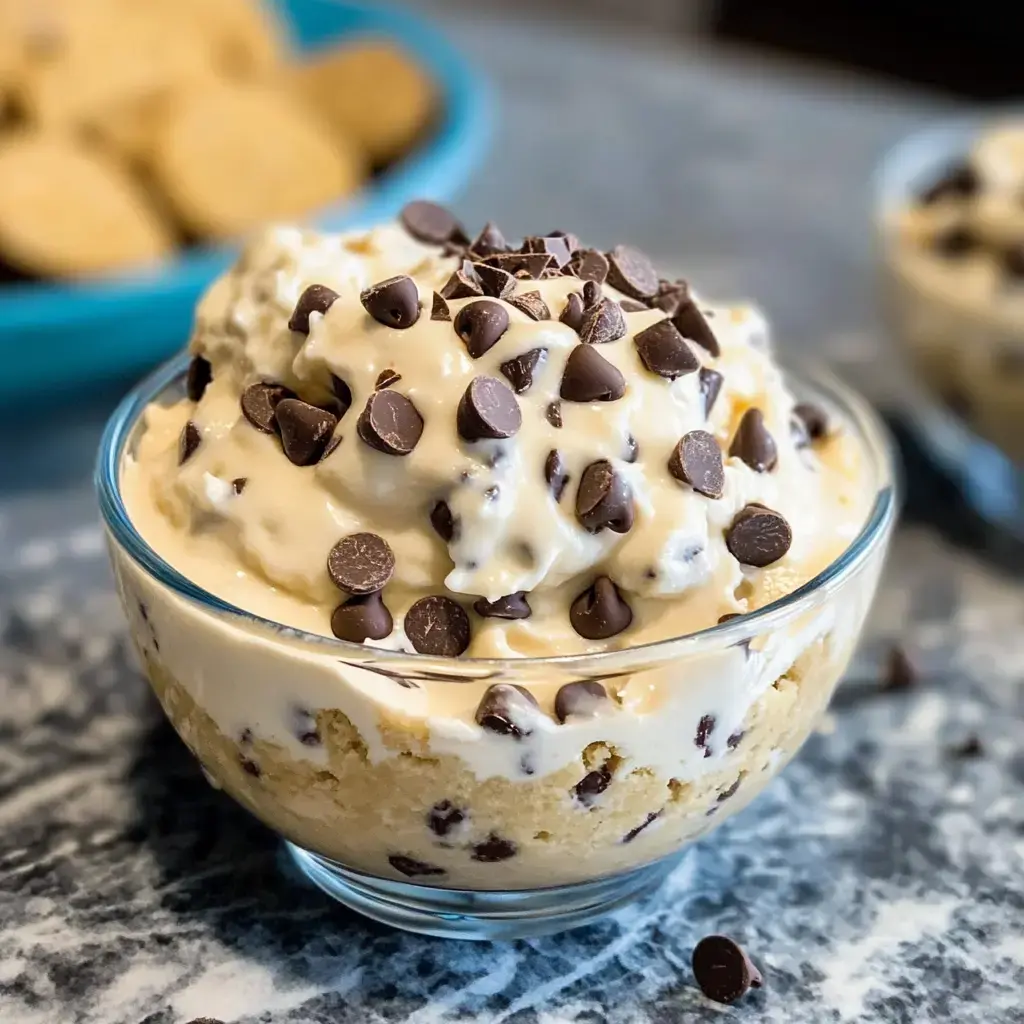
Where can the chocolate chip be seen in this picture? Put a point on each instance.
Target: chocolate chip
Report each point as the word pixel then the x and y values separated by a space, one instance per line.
pixel 259 402
pixel 663 351
pixel 199 375
pixel 572 314
pixel 753 444
pixel 728 617
pixel 507 710
pixel 600 612
pixel 589 377
pixel 900 670
pixel 589 265
pixel 591 294
pixel 955 242
pixel 634 832
pixel 813 418
pixel 603 500
pixel 332 447
pixel 583 699
pixel 758 536
pixel 390 423
pixel 437 625
pixel 959 182
pixel 710 386
pixel 361 618
pixel 410 867
pixel 463 284
pixel 691 325
pixel 631 272
pixel 493 849
pixel 603 322
pixel 439 309
pixel 555 246
pixel 480 325
pixel 249 766
pixel 520 370
pixel 697 460
pixel 592 784
pixel 361 563
pixel 671 295
pixel 970 746
pixel 497 283
pixel 730 792
pixel 705 727
pixel 553 414
pixel 305 430
pixel 734 740
pixel 723 970
pixel 188 442
pixel 632 452
pixel 238 484
pixel 488 409
pixel 530 265
pixel 555 473
pixel 393 303
pixel 532 305
pixel 343 393
pixel 317 298
pixel 387 378
pixel 442 521
pixel 632 306
pixel 443 817
pixel 430 223
pixel 512 606
pixel 490 241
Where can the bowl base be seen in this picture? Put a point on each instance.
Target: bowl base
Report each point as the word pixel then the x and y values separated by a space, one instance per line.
pixel 482 916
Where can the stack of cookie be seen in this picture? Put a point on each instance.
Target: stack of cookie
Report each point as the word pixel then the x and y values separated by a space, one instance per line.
pixel 133 127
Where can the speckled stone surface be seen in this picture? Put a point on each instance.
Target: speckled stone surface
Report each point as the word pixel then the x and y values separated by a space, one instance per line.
pixel 881 878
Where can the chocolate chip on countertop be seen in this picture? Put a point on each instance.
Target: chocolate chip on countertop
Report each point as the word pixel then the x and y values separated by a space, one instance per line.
pixel 488 409
pixel 393 303
pixel 600 612
pixel 663 351
pixel 390 423
pixel 692 325
pixel 317 298
pixel 430 223
pixel 758 536
pixel 589 377
pixel 632 272
pixel 494 849
pixel 710 386
pixel 305 430
pixel 634 832
pixel 753 444
pixel 507 710
pixel 532 304
pixel 442 520
pixel 555 473
pixel 463 284
pixel 958 182
pixel 572 314
pixel 490 241
pixel 512 606
pixel 188 442
pixel 583 698
pixel 592 784
pixel 705 727
pixel 361 563
pixel 480 325
pixel 497 283
pixel 438 625
pixel 199 375
pixel 259 402
pixel 813 418
pixel 238 484
pixel 955 242
pixel 900 671
pixel 439 309
pixel 589 265
pixel 697 460
pixel 602 323
pixel 362 617
pixel 410 867
pixel 519 370
pixel 443 817
pixel 603 499
pixel 723 970
pixel 553 414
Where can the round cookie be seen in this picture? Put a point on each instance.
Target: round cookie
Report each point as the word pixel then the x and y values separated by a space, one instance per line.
pixel 237 155
pixel 371 93
pixel 66 211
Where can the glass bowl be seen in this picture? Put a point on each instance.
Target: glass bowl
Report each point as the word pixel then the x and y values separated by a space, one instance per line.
pixel 394 801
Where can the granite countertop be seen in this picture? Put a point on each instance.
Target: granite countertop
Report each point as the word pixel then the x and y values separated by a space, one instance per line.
pixel 881 878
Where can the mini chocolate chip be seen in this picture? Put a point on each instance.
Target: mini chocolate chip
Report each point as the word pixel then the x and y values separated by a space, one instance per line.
pixel 813 418
pixel 438 625
pixel 488 409
pixel 512 606
pixel 753 444
pixel 393 303
pixel 600 611
pixel 583 698
pixel 390 423
pixel 958 182
pixel 697 460
pixel 631 272
pixel 705 727
pixel 632 306
pixel 900 670
pixel 317 298
pixel 955 242
pixel 734 740
pixel 443 817
pixel 589 265
pixel 553 414
pixel 259 402
pixel 603 499
pixel 592 294
pixel 632 452
pixel 430 223
pixel 572 314
pixel 249 766
pixel 361 618
pixel 386 378
pixel 555 246
pixel 592 784
pixel 305 430
pixel 199 375
pixel 188 442
pixel 723 970
pixel 442 521
pixel 493 849
pixel 671 295
pixel 361 563
pixel 603 322
pixel 634 832
pixel 463 284
pixel 507 710
pixel 691 325
pixel 589 377
pixel 969 746
pixel 730 792
pixel 439 309
pixel 555 473
pixel 410 867
pixel 758 536
pixel 480 325
pixel 663 351
pixel 710 386
pixel 238 484
pixel 490 241
pixel 532 305
pixel 520 370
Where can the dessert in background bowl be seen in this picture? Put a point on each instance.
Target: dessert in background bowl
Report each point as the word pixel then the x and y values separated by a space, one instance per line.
pixel 488 575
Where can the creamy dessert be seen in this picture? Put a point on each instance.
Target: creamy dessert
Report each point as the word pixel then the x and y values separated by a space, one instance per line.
pixel 446 452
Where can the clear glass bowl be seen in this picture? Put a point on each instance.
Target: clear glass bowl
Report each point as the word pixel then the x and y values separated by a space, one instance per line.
pixel 391 798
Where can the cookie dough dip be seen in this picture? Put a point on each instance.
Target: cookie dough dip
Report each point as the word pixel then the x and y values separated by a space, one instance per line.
pixel 479 565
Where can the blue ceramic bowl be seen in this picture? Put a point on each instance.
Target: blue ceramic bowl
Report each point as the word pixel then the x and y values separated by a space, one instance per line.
pixel 56 336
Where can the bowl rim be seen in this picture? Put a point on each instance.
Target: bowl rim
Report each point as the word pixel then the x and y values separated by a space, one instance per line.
pixel 875 531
